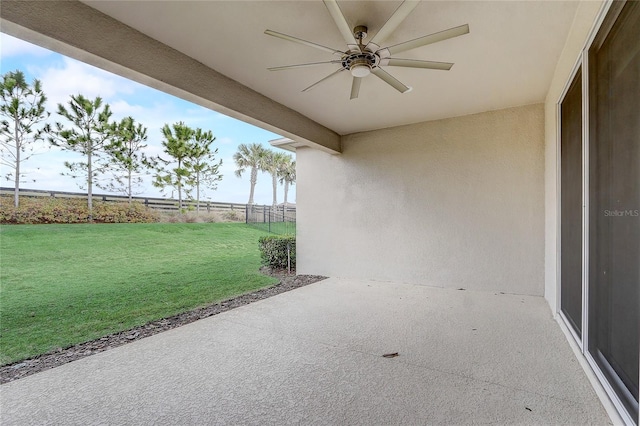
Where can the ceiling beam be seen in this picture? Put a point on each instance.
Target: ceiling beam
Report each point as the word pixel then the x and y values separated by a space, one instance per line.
pixel 81 32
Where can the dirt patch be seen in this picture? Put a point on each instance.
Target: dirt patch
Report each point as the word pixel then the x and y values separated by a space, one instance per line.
pixel 18 370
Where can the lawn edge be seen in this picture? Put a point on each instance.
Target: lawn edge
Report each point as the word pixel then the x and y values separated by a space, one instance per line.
pixel 26 367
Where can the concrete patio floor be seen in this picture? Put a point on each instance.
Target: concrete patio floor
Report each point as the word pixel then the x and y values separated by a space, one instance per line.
pixel 313 356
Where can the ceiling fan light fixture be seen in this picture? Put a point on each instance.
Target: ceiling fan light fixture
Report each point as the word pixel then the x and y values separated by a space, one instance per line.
pixel 361 60
pixel 360 70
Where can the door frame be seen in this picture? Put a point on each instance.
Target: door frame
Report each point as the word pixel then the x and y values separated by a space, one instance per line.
pixel 582 63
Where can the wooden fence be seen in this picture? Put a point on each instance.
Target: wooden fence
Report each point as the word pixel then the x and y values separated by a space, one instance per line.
pixel 163 204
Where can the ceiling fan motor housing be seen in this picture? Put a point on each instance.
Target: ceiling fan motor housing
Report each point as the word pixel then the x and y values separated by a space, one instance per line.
pixel 360 64
pixel 363 59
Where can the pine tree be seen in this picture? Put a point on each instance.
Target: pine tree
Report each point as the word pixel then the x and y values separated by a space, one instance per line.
pixel 171 171
pixel 22 112
pixel 201 162
pixel 89 135
pixel 127 163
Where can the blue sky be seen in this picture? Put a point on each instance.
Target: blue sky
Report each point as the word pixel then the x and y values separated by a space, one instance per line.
pixel 62 77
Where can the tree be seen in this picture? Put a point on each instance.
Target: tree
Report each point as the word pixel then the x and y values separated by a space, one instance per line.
pixel 176 146
pixel 22 110
pixel 127 163
pixel 89 134
pixel 250 157
pixel 201 163
pixel 287 176
pixel 273 164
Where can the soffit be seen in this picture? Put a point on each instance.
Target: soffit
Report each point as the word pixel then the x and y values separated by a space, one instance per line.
pixel 507 60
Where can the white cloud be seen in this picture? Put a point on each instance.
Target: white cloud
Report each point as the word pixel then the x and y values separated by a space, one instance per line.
pixel 225 141
pixel 43 171
pixel 73 77
pixel 155 116
pixel 122 108
pixel 62 77
pixel 11 46
pixel 154 150
pixel 228 169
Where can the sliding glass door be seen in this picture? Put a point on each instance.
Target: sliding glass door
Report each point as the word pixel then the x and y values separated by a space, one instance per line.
pixel 614 198
pixel 607 182
pixel 571 205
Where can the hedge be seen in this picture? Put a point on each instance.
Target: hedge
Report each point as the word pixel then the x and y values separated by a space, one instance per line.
pixel 273 250
pixel 68 210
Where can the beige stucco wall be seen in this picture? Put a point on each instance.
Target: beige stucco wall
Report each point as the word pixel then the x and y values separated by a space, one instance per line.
pixel 453 203
pixel 584 21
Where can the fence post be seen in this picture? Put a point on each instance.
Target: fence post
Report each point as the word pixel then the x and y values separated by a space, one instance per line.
pixel 269 221
pixel 208 207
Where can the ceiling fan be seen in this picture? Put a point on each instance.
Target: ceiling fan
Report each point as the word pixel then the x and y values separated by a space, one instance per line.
pixel 361 60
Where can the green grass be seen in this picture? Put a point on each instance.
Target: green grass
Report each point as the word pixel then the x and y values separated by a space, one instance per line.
pixel 280 228
pixel 65 284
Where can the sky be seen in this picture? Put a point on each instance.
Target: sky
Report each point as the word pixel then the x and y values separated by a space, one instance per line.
pixel 62 77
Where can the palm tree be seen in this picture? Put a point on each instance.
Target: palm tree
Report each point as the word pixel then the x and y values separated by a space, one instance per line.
pixel 250 157
pixel 287 177
pixel 273 164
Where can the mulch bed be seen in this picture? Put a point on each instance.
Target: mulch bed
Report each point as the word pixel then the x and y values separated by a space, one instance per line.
pixel 20 369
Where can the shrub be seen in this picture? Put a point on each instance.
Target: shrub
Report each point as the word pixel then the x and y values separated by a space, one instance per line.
pixel 71 210
pixel 273 250
pixel 135 212
pixel 211 217
pixel 169 217
pixel 190 217
pixel 233 216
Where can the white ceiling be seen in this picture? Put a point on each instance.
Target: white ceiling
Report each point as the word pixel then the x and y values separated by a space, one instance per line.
pixel 507 59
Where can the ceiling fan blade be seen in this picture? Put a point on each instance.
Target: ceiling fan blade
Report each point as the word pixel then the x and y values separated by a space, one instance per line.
pixel 311 64
pixel 326 78
pixel 390 80
pixel 414 63
pixel 392 23
pixel 355 87
pixel 428 39
pixel 304 42
pixel 343 26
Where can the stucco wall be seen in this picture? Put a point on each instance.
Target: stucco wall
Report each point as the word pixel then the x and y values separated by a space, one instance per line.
pixel 584 21
pixel 451 203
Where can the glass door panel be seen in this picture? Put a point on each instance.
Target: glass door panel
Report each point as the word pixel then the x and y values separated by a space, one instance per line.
pixel 571 205
pixel 614 197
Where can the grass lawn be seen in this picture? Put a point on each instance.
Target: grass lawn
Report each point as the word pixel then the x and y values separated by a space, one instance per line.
pixel 280 228
pixel 66 284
